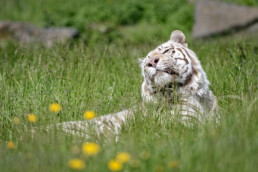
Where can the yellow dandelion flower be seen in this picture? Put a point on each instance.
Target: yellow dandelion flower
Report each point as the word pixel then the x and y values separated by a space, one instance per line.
pixel 173 164
pixel 114 165
pixel 32 118
pixel 16 120
pixel 89 148
pixel 76 164
pixel 89 115
pixel 10 145
pixel 123 157
pixel 55 107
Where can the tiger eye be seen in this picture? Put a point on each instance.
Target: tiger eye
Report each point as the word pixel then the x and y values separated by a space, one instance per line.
pixel 166 51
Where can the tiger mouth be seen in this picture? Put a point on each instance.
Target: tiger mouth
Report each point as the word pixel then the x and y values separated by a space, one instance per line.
pixel 168 71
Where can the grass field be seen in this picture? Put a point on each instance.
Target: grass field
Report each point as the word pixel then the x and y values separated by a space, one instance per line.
pixel 105 77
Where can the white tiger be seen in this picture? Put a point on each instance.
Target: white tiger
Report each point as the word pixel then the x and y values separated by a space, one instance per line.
pixel 172 73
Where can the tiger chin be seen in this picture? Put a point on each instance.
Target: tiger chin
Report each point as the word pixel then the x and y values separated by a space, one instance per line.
pixel 171 72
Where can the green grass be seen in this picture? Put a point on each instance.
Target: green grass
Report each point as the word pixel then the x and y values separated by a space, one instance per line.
pixel 112 14
pixel 106 79
pixel 104 76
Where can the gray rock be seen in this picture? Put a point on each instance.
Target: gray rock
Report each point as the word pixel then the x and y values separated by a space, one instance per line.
pixel 213 18
pixel 28 33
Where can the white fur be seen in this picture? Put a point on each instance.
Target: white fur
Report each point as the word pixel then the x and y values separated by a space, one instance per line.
pixel 184 61
pixel 177 65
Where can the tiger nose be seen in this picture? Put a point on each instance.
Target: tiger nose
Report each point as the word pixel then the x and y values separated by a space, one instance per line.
pixel 153 62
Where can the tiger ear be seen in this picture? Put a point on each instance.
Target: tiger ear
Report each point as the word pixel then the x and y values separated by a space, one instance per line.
pixel 178 36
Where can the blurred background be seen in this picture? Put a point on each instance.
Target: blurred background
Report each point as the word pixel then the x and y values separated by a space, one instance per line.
pixel 105 21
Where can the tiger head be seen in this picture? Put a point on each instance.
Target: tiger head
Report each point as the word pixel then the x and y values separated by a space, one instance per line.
pixel 173 63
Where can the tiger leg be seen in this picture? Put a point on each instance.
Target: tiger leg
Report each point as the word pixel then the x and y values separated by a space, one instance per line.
pixel 107 125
